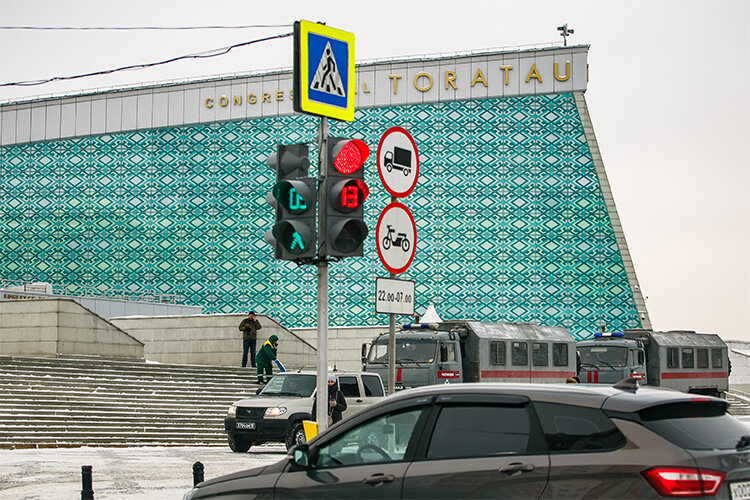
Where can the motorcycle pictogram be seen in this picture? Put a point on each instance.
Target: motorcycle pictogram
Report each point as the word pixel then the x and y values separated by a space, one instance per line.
pixel 400 241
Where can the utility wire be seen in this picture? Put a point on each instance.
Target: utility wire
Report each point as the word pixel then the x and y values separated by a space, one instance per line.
pixel 202 55
pixel 134 28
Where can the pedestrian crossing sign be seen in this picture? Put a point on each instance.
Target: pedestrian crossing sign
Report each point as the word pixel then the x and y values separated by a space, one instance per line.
pixel 323 71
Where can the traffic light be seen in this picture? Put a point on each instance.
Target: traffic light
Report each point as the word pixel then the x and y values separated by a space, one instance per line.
pixel 294 196
pixel 345 193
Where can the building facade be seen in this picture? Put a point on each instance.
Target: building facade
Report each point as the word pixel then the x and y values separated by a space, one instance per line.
pixel 163 189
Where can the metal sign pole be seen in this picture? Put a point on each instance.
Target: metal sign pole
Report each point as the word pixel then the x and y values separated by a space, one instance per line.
pixel 391 343
pixel 321 413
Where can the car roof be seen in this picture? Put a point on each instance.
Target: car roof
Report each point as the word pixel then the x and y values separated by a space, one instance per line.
pixel 589 395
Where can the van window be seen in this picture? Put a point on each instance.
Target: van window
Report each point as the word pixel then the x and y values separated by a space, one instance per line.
pixel 560 354
pixel 688 357
pixel 349 386
pixel 702 358
pixel 540 354
pixel 716 358
pixel 520 353
pixel 473 431
pixel 372 384
pixel 497 352
pixel 673 357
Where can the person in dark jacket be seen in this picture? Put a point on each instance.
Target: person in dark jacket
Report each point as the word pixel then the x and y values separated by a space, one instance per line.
pixel 336 401
pixel 249 328
pixel 266 355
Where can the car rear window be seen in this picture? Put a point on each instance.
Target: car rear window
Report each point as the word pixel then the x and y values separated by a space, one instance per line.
pixel 577 429
pixel 695 426
pixel 372 384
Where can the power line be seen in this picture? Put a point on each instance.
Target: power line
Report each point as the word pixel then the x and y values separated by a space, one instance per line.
pixel 134 28
pixel 201 55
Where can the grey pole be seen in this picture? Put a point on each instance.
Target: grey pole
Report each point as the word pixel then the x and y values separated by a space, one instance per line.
pixel 321 413
pixel 392 343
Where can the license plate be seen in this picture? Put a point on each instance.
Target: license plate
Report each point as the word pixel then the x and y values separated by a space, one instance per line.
pixel 246 425
pixel 740 491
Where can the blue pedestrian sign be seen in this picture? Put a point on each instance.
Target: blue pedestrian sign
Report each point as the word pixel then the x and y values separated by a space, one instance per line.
pixel 323 71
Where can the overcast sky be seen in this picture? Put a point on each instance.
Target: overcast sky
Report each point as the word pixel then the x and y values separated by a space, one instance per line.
pixel 668 95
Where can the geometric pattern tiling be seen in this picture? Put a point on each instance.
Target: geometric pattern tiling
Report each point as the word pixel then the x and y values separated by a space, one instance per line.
pixel 511 221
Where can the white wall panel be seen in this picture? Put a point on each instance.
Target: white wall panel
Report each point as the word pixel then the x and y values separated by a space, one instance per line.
pixel 9 126
pixel 511 62
pixel 563 60
pixel 208 104
pixel 479 76
pixel 52 123
pixel 285 85
pixel 545 66
pixel 192 105
pixel 83 117
pixel 463 79
pixel 253 98
pixel 129 112
pixel 365 88
pixel 38 122
pixel 98 116
pixel 160 112
pixel 223 101
pixel 176 110
pixel 145 110
pixel 238 100
pixel 268 104
pixel 402 86
pixel 446 80
pixel 383 86
pixel 580 71
pixel 414 95
pixel 68 120
pixel 114 114
pixel 23 124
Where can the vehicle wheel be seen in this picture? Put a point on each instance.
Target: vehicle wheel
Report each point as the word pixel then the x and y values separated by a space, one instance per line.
pixel 296 436
pixel 238 444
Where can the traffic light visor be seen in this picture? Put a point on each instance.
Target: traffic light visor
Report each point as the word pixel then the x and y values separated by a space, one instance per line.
pixel 349 155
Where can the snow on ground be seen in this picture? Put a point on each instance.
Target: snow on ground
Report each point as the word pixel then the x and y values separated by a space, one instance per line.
pixel 142 473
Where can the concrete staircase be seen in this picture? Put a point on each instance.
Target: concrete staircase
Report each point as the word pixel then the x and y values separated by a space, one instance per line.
pixel 93 401
pixel 740 402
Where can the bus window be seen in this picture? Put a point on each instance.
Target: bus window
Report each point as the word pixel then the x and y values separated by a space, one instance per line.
pixel 673 357
pixel 716 358
pixel 702 358
pixel 560 354
pixel 688 357
pixel 520 354
pixel 540 353
pixel 497 352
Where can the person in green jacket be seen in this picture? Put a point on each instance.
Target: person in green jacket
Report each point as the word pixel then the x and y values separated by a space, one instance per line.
pixel 265 356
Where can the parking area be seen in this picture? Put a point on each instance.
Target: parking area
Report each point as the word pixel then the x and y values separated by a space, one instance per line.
pixel 132 473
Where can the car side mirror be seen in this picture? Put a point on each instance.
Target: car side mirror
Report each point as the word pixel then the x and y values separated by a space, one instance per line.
pixel 301 456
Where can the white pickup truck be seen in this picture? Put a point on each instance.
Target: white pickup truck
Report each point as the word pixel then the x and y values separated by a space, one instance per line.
pixel 277 412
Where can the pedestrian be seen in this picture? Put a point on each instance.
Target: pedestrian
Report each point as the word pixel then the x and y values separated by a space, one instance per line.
pixel 249 328
pixel 336 401
pixel 266 355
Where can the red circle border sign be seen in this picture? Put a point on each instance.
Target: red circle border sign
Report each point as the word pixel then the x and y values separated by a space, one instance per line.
pixel 390 206
pixel 392 192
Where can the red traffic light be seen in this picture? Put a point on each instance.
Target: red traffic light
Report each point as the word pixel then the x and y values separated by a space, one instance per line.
pixel 348 195
pixel 349 155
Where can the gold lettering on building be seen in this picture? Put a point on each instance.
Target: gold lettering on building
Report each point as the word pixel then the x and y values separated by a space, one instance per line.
pixel 567 72
pixel 237 100
pixel 395 79
pixel 506 69
pixel 365 90
pixel 450 79
pixel 416 81
pixel 252 98
pixel 478 77
pixel 533 73
pixel 279 95
pixel 209 103
pixel 223 101
pixel 266 97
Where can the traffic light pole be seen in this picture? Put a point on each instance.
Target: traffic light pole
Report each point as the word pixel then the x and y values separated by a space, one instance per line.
pixel 321 413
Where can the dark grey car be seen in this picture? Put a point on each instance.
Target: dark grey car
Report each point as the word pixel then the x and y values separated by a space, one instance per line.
pixel 514 441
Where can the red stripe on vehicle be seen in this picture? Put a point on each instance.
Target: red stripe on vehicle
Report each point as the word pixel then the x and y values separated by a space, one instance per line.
pixel 592 377
pixel 673 375
pixel 525 374
pixel 398 375
pixel 446 374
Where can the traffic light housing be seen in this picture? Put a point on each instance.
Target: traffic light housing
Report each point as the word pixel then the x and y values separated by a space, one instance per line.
pixel 294 195
pixel 342 218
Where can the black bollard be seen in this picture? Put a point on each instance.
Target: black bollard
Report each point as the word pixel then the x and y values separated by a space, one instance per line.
pixel 86 492
pixel 197 473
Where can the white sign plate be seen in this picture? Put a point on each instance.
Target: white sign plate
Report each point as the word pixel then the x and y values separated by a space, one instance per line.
pixel 394 296
pixel 396 237
pixel 398 162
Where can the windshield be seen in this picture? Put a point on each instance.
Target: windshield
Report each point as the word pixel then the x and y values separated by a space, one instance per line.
pixel 603 355
pixel 407 351
pixel 292 384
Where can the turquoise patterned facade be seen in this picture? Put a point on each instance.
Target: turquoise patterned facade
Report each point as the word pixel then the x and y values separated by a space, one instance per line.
pixel 511 221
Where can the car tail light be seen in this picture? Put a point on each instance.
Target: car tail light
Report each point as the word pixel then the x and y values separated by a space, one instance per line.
pixel 683 482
